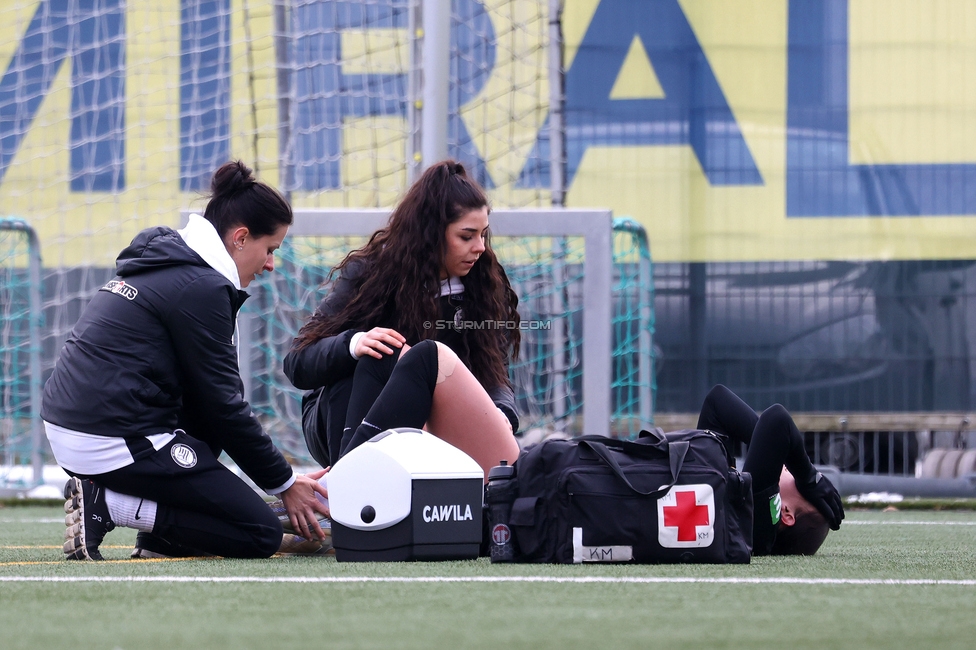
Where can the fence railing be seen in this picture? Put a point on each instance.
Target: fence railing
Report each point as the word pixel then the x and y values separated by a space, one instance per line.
pixel 924 454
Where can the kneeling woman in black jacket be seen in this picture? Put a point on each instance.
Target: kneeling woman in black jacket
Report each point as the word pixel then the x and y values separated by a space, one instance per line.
pixel 147 392
pixel 429 280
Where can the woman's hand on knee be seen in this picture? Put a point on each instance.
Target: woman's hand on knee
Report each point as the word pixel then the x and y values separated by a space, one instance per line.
pixel 304 507
pixel 379 341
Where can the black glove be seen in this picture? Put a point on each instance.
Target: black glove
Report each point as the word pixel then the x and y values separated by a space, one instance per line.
pixel 824 496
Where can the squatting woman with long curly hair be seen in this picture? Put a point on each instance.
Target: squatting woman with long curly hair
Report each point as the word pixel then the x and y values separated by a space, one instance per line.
pixel 416 331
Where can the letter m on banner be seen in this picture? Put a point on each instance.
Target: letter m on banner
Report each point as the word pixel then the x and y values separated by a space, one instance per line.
pixel 91 33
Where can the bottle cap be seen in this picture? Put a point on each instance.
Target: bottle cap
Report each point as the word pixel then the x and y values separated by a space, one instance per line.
pixel 504 470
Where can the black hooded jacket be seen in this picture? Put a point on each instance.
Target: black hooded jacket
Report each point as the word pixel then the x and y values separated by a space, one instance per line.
pixel 154 352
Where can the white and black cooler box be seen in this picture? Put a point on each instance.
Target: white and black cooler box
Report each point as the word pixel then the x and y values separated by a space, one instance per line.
pixel 406 495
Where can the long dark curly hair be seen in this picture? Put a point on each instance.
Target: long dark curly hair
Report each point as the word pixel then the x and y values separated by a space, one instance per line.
pixel 399 277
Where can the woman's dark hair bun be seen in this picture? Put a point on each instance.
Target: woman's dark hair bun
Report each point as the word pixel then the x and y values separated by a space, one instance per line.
pixel 231 178
pixel 237 198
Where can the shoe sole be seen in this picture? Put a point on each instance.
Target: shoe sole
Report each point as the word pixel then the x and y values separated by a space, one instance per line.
pixel 74 546
pixel 145 554
pixel 298 545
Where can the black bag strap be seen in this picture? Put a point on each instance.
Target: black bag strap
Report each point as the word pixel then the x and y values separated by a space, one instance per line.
pixel 648 447
pixel 675 451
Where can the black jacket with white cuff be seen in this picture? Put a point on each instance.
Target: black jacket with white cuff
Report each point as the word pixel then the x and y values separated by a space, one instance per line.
pixel 154 351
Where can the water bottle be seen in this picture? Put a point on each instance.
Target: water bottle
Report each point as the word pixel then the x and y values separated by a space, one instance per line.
pixel 499 496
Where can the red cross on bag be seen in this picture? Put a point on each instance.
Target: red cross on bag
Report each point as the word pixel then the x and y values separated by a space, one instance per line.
pixel 686 516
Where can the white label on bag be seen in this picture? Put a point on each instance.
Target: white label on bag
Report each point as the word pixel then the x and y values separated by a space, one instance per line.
pixel 599 553
pixel 686 517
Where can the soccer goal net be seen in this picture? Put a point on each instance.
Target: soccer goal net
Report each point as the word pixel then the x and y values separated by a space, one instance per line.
pixel 114 114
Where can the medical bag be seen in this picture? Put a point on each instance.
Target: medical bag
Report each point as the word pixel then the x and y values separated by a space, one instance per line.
pixel 663 498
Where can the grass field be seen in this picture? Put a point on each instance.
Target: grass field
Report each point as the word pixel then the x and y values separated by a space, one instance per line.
pixel 902 579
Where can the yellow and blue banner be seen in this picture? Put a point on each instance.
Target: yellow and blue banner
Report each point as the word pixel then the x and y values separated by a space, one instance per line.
pixel 732 130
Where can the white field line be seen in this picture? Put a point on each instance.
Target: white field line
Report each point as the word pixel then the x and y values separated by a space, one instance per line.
pixel 51 520
pixel 60 520
pixel 909 523
pixel 492 579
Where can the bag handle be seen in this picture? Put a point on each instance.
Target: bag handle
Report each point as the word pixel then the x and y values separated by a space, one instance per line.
pixel 646 448
pixel 676 452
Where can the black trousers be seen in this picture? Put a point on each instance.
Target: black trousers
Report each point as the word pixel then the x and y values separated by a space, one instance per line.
pixel 203 506
pixel 769 435
pixel 773 441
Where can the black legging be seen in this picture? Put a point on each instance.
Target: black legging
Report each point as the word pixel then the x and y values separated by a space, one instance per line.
pixel 203 508
pixel 772 437
pixel 388 393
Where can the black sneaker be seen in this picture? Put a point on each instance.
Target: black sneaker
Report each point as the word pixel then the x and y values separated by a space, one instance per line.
pixel 87 520
pixel 152 547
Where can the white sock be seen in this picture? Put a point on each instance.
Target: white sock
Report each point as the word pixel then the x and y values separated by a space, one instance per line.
pixel 130 511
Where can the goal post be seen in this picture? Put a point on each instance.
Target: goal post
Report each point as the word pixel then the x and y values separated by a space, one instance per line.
pixel 21 437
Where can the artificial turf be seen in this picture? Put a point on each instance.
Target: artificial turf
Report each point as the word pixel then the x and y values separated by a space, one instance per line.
pixel 885 580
